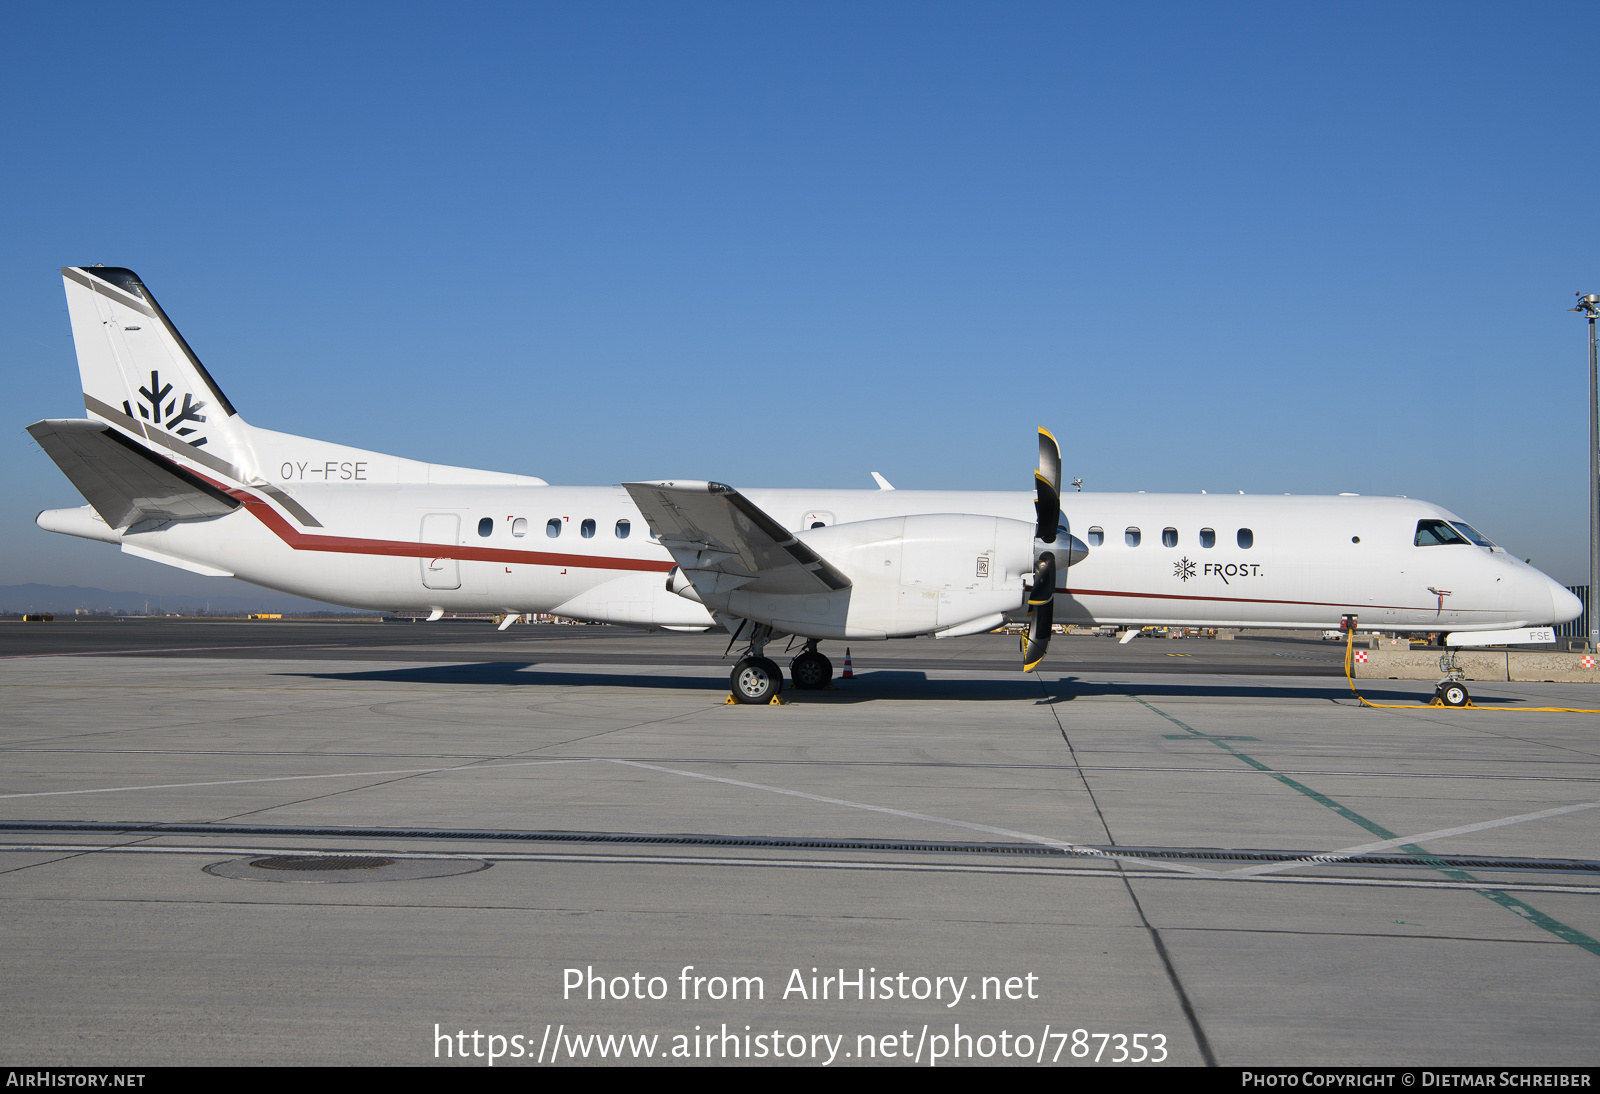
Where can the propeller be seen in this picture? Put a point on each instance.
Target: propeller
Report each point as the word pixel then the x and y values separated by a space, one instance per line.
pixel 1047 504
pixel 1041 612
pixel 1047 487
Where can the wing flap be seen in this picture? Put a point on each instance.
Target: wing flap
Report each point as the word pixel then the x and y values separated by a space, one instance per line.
pixel 713 529
pixel 124 481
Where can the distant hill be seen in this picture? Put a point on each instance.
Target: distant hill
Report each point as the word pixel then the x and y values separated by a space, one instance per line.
pixel 66 599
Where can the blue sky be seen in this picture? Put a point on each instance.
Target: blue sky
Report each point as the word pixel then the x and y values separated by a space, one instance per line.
pixel 1272 248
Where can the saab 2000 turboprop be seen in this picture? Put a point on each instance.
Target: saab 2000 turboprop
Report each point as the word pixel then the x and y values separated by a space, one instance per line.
pixel 172 473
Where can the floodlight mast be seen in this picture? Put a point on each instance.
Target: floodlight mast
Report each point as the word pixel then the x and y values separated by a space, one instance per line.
pixel 1589 306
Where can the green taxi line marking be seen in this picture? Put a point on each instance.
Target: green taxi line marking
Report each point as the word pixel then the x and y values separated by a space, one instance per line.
pixel 1505 900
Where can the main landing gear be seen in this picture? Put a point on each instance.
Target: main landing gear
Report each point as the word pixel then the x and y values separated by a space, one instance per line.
pixel 810 670
pixel 757 678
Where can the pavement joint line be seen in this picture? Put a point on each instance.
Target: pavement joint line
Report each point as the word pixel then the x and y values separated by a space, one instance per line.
pixel 178 649
pixel 954 764
pixel 1046 841
pixel 293 778
pixel 1401 841
pixel 1191 1016
pixel 1107 872
pixel 1497 895
pixel 150 830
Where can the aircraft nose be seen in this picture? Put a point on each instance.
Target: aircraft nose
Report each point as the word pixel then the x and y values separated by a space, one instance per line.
pixel 1564 605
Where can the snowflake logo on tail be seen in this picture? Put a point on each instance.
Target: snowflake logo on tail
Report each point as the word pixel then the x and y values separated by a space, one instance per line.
pixel 1183 569
pixel 155 406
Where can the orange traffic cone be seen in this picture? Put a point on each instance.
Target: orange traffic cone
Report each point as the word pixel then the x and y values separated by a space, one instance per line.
pixel 847 674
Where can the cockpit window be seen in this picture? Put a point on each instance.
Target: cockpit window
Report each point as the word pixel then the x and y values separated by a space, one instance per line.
pixel 1471 533
pixel 1436 533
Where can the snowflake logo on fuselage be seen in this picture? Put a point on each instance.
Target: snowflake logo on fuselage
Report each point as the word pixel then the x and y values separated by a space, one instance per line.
pixel 1183 569
pixel 155 406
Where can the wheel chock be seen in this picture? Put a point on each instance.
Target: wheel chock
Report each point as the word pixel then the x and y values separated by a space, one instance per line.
pixel 776 701
pixel 730 701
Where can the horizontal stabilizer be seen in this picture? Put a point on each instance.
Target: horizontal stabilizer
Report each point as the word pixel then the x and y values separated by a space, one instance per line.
pixel 124 481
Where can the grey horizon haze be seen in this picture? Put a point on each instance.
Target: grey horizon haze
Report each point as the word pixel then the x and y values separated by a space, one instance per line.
pixel 1258 248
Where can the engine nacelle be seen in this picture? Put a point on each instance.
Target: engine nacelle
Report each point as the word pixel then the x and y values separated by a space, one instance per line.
pixel 909 575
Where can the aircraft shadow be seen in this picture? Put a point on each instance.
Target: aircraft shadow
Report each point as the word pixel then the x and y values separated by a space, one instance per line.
pixel 1068 688
pixel 519 674
pixel 866 687
pixel 881 684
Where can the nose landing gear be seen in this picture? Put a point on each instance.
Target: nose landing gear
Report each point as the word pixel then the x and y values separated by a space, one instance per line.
pixel 1451 692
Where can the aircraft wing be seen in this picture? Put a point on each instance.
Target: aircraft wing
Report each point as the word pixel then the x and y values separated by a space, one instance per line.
pixel 125 482
pixel 723 541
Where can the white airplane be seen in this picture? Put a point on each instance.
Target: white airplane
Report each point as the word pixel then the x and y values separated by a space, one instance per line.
pixel 173 474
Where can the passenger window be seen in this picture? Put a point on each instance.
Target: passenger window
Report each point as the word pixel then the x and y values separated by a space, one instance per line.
pixel 519 527
pixel 1131 537
pixel 486 526
pixel 1437 533
pixel 818 524
pixel 1097 536
pixel 1208 537
pixel 1169 537
pixel 552 527
pixel 1247 539
pixel 586 529
pixel 623 528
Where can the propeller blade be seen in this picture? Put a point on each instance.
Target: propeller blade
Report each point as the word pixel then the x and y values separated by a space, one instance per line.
pixel 1047 487
pixel 1041 612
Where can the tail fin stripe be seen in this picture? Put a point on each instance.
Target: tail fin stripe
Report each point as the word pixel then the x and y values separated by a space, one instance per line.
pixel 123 417
pixel 205 459
pixel 295 509
pixel 121 296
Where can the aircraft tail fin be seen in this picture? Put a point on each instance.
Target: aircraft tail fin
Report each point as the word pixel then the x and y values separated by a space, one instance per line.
pixel 137 370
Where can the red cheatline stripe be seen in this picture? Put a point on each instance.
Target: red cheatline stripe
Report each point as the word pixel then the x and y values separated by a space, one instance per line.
pixel 346 545
pixel 1247 600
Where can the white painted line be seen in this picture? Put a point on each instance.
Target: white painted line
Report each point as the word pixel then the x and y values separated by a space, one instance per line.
pixel 1045 841
pixel 1385 845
